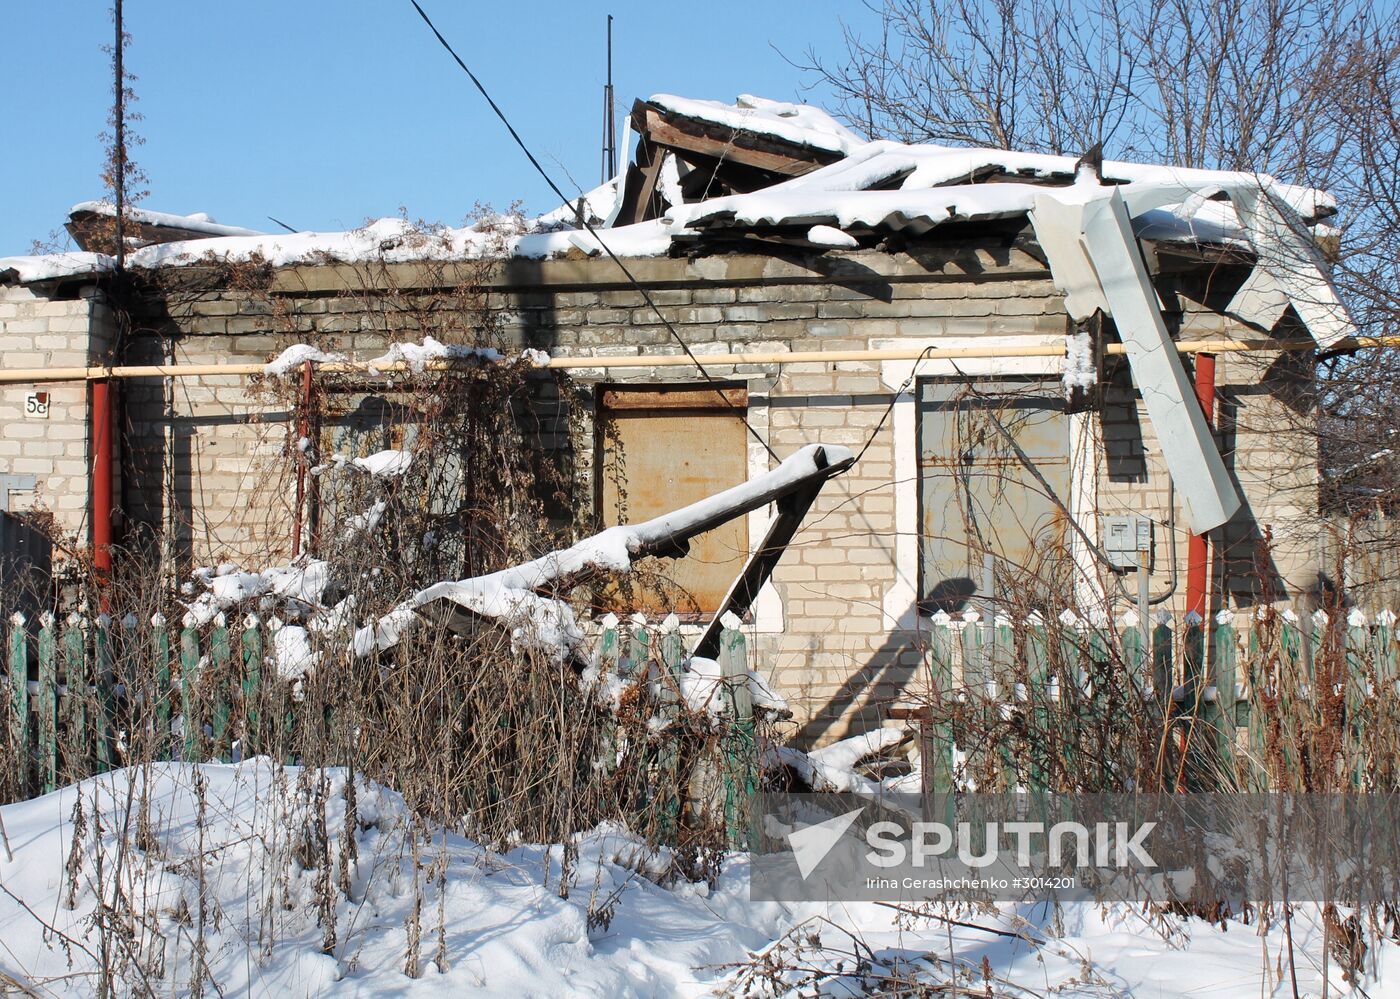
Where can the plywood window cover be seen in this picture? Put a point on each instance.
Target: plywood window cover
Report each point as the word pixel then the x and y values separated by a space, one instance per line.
pixel 1009 388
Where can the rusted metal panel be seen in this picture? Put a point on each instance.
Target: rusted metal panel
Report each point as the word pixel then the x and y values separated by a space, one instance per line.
pixel 980 507
pixel 716 397
pixel 655 460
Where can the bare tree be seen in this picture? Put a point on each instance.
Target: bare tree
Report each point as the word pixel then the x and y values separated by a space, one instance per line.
pixel 1047 75
pixel 1305 90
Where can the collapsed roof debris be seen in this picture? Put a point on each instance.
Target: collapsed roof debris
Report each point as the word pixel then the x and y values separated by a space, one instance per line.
pixel 89 223
pixel 758 173
pixel 525 599
pixel 712 149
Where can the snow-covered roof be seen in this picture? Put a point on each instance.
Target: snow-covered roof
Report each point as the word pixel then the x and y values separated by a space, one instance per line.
pixel 801 124
pixel 892 185
pixel 876 185
pixel 792 172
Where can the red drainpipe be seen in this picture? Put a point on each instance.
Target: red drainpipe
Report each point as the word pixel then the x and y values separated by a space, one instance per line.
pixel 1197 551
pixel 101 487
pixel 303 431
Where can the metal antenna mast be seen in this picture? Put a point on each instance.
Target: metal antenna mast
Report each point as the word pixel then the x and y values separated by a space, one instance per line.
pixel 119 136
pixel 609 126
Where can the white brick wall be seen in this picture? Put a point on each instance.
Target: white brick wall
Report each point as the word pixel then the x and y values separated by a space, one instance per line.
pixel 835 657
pixel 40 333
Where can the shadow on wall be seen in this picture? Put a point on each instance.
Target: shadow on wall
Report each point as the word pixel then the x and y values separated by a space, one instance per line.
pixel 881 680
pixel 1246 571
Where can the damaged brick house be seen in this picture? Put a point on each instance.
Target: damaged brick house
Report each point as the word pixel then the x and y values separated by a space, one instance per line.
pixel 1014 343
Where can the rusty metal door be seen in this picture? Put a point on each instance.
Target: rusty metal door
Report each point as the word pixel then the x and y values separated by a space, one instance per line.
pixel 989 529
pixel 660 449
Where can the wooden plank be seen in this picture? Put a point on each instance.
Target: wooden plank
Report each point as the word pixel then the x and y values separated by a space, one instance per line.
pixel 640 184
pixel 223 707
pixel 46 705
pixel 740 746
pixel 638 659
pixel 19 701
pixel 755 149
pixel 77 762
pixel 936 742
pixel 718 397
pixel 106 711
pixel 189 693
pixel 1223 714
pixel 249 740
pixel 654 461
pixel 160 648
pixel 673 804
pixel 1039 691
pixel 741 594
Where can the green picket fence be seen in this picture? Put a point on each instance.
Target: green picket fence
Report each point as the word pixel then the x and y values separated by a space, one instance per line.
pixel 85 696
pixel 634 649
pixel 1238 694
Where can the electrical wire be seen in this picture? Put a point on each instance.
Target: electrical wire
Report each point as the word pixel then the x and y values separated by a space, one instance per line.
pixel 719 389
pixel 913 370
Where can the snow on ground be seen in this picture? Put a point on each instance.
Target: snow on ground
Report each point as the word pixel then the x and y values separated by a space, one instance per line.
pixel 508 930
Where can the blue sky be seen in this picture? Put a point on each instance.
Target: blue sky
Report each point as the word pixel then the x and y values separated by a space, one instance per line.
pixel 326 113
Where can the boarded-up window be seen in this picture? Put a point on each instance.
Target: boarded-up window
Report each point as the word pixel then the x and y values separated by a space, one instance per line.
pixel 357 425
pixel 660 449
pixel 990 530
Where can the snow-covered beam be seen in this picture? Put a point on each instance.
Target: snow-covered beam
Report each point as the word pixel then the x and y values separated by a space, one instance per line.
pixel 510 596
pixel 792 508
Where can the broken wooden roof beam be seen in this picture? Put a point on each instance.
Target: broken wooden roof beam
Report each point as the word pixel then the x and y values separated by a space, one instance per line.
pixel 792 508
pixel 754 148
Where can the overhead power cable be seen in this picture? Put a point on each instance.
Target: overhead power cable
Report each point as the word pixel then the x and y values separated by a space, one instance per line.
pixel 719 389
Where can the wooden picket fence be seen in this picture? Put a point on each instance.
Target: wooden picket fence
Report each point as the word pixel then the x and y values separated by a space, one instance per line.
pixel 1239 693
pixel 78 706
pixel 634 649
pixel 83 696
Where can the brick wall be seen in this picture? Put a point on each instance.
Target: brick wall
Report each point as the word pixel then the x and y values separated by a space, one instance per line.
pixel 39 332
pixel 218 451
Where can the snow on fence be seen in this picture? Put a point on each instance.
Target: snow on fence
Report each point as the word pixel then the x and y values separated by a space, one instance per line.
pixel 723 690
pixel 72 704
pixel 1244 693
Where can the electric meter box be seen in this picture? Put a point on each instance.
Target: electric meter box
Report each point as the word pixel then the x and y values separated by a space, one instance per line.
pixel 1127 541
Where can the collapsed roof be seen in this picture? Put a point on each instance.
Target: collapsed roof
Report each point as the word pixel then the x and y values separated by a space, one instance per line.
pixel 706 174
pixel 90 223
